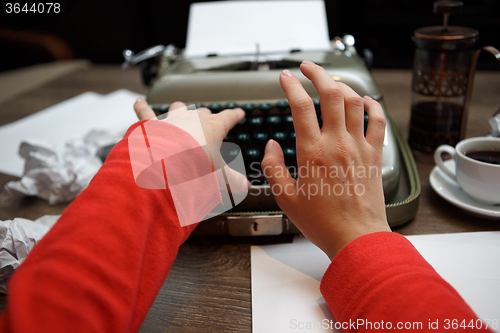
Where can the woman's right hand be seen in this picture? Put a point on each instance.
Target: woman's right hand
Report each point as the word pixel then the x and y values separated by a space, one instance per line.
pixel 338 195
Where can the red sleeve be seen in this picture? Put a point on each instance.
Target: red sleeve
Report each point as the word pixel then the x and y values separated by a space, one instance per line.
pixel 102 264
pixel 381 277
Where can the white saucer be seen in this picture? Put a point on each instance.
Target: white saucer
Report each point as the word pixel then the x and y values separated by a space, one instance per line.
pixel 450 191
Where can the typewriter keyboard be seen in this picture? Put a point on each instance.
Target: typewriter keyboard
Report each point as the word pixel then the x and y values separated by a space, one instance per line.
pixel 263 121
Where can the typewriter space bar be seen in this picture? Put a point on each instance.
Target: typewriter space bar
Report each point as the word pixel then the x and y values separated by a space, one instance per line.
pixel 256 225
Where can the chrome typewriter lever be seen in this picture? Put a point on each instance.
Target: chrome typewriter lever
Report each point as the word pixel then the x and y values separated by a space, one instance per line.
pixel 149 60
pixel 131 58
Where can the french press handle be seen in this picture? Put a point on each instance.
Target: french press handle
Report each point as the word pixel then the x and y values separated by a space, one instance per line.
pixel 470 84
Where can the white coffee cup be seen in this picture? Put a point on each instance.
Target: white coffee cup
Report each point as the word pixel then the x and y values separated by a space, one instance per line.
pixel 480 180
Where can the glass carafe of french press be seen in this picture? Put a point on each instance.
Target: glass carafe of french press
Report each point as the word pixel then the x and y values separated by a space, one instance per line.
pixel 443 58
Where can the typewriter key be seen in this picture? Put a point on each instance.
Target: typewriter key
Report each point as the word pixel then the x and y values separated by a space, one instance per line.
pixel 366 122
pixel 279 137
pixel 317 107
pixel 282 105
pixel 274 120
pixel 233 152
pixel 248 108
pixel 199 105
pixel 243 137
pixel 288 123
pixel 231 105
pixel 264 108
pixel 256 122
pixel 274 123
pixel 253 152
pixel 317 104
pixel 252 155
pixel 243 140
pixel 260 137
pixel 160 109
pixel 229 155
pixel 290 158
pixel 215 107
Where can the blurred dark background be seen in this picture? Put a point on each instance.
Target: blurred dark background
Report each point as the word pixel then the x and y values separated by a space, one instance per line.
pixel 100 30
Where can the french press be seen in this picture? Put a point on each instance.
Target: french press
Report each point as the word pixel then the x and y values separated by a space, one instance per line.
pixel 443 74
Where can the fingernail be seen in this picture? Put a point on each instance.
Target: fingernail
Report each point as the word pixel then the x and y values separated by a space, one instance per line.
pixel 287 72
pixel 369 97
pixel 140 99
pixel 270 144
pixel 307 62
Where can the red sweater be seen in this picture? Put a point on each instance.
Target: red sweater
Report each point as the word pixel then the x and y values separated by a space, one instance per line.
pixel 101 266
pixel 381 278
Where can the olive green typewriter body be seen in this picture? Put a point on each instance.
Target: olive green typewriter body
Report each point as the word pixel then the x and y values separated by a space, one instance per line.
pixel 252 83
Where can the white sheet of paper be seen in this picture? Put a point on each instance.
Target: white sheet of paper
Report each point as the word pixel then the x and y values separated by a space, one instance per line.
pixel 236 27
pixel 61 122
pixel 286 278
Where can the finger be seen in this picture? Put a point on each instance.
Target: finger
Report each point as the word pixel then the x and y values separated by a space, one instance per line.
pixel 204 110
pixel 177 105
pixel 376 122
pixel 142 110
pixel 176 109
pixel 237 183
pixel 354 111
pixel 331 96
pixel 277 175
pixel 305 121
pixel 230 117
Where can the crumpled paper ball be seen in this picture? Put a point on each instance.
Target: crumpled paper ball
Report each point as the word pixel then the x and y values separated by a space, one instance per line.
pixel 18 237
pixel 59 178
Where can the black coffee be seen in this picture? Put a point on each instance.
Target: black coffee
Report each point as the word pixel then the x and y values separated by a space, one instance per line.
pixel 486 156
pixel 433 124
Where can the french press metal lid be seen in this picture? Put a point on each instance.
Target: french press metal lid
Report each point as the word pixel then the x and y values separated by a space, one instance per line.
pixel 446 33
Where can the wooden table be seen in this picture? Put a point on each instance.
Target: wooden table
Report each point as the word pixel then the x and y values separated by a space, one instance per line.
pixel 208 289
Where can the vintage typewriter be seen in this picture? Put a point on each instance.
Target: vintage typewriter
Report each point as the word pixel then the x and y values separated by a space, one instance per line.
pixel 219 69
pixel 252 83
